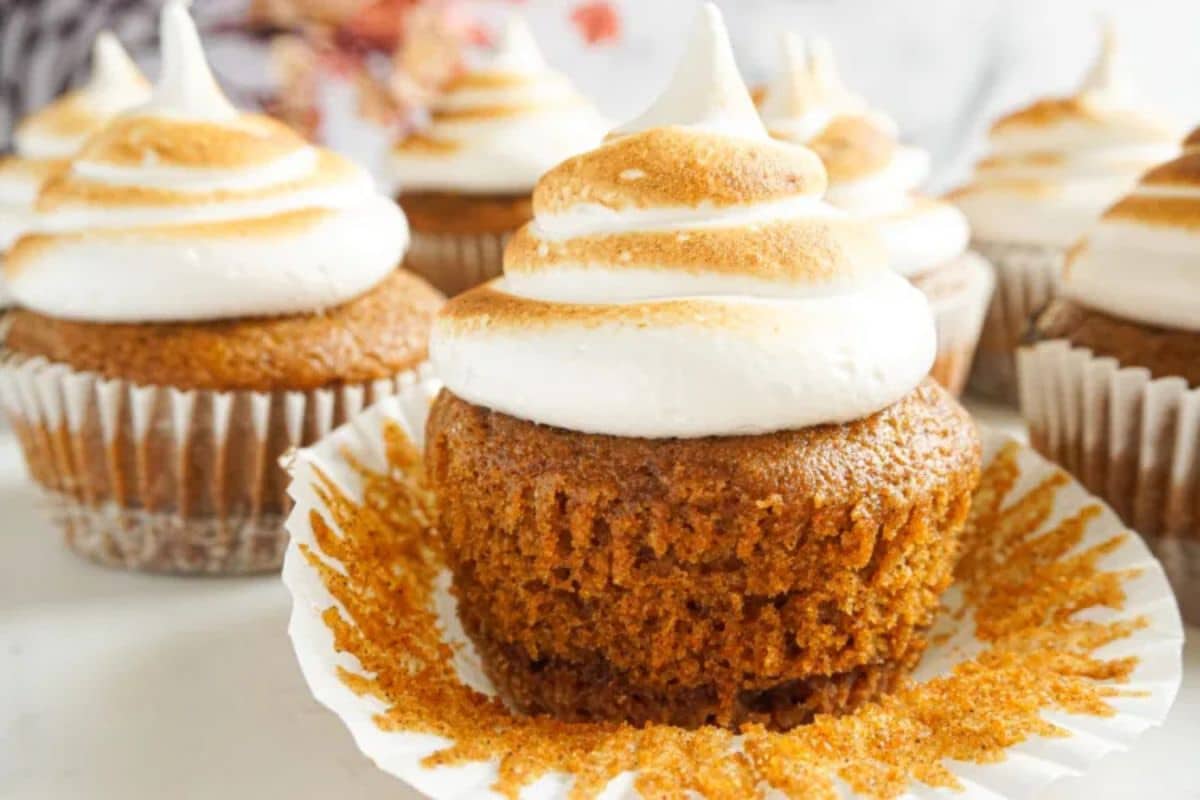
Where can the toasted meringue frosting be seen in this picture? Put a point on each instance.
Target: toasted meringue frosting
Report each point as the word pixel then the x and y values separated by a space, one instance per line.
pixel 185 209
pixel 1055 165
pixel 496 128
pixel 686 279
pixel 871 175
pixel 43 140
pixel 1142 260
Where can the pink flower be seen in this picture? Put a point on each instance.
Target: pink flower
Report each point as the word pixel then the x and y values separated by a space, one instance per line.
pixel 598 21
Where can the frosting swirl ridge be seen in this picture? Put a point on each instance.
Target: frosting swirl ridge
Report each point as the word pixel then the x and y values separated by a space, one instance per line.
pixel 1140 261
pixel 686 279
pixel 186 209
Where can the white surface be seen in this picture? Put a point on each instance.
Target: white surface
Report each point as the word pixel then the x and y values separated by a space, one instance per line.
pixel 128 687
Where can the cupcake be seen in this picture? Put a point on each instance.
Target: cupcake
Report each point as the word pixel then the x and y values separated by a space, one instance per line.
pixel 688 464
pixel 202 291
pixel 1110 381
pixel 1053 168
pixel 57 131
pixel 464 180
pixel 875 178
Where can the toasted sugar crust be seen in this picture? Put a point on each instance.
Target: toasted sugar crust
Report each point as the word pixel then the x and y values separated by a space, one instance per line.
pixel 680 167
pixel 253 140
pixel 380 334
pixel 808 249
pixel 736 563
pixel 853 147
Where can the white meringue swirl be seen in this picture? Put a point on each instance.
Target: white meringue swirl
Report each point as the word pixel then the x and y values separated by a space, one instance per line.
pixel 871 175
pixel 1142 260
pixel 185 209
pixel 687 281
pixel 57 131
pixel 499 126
pixel 1054 166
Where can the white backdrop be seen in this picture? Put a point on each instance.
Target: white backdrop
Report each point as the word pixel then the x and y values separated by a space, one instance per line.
pixel 943 68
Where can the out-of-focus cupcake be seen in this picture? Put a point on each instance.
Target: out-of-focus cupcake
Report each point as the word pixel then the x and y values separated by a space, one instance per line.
pixel 1051 170
pixel 202 291
pixel 1110 383
pixel 689 467
pixel 876 178
pixel 46 138
pixel 465 179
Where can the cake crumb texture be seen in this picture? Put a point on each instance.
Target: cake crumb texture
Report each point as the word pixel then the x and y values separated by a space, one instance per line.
pixel 380 560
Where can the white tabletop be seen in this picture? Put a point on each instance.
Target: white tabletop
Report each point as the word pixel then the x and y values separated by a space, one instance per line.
pixel 132 687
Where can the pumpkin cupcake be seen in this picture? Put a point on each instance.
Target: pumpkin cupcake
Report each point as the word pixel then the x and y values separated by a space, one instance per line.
pixel 44 139
pixel 688 464
pixel 1110 384
pixel 203 290
pixel 464 179
pixel 1053 168
pixel 875 178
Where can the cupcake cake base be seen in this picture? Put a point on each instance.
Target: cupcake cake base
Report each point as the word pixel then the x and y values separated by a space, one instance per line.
pixel 458 241
pixel 714 580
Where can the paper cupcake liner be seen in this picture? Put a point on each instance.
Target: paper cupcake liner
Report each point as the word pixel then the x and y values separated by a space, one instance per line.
pixel 158 479
pixel 1026 280
pixel 1128 437
pixel 959 301
pixel 1149 621
pixel 455 262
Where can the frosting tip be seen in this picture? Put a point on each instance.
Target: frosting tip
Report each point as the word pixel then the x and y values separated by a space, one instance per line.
pixel 706 90
pixel 186 85
pixel 517 50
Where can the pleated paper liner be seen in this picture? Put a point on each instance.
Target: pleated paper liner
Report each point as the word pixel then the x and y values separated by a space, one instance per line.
pixel 455 262
pixel 1027 279
pixel 1060 643
pixel 959 299
pixel 1128 437
pixel 157 479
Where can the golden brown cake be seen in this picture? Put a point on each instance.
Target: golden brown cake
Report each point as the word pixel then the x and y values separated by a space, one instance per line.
pixel 464 179
pixel 207 291
pixel 710 580
pixel 688 466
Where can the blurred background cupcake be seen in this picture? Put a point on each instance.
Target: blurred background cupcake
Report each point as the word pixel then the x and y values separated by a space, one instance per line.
pixel 202 290
pixel 45 139
pixel 1110 384
pixel 875 178
pixel 1052 169
pixel 465 179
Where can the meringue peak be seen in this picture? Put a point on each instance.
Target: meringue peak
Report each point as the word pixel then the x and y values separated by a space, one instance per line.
pixel 706 90
pixel 1102 80
pixel 115 78
pixel 186 87
pixel 808 82
pixel 517 49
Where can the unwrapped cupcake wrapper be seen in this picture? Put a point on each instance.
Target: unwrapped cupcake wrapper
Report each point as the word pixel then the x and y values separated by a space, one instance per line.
pixel 959 304
pixel 455 262
pixel 400 750
pixel 158 479
pixel 1130 438
pixel 1026 280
